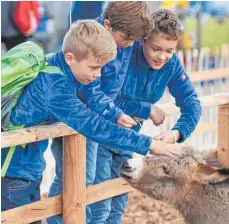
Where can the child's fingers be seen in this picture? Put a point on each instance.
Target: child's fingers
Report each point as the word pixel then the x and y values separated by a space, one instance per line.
pixel 125 125
pixel 157 123
pixel 126 119
pixel 176 150
pixel 168 153
pixel 131 120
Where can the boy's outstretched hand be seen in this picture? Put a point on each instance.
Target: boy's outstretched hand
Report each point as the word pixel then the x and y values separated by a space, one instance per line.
pixel 157 115
pixel 126 121
pixel 168 136
pixel 161 148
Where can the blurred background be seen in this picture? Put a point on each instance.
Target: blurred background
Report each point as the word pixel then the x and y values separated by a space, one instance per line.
pixel 203 50
pixel 205 23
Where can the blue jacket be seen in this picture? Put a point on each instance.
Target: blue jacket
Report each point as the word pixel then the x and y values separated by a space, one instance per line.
pixel 86 9
pixel 144 86
pixel 51 98
pixel 100 94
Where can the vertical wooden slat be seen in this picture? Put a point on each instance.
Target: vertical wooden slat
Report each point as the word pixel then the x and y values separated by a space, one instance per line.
pixel 181 56
pixel 195 55
pixel 188 56
pixel 223 135
pixel 74 189
pixel 216 53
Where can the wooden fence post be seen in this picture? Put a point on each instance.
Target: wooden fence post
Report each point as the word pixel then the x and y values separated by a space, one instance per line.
pixel 74 184
pixel 223 135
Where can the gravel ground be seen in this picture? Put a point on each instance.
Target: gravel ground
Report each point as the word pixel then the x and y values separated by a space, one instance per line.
pixel 142 209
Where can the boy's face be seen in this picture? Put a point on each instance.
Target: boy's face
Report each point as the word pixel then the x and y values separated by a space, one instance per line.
pixel 120 38
pixel 86 70
pixel 157 50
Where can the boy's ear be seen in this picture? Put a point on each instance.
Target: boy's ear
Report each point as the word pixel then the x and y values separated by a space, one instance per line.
pixel 142 42
pixel 69 58
pixel 211 173
pixel 107 24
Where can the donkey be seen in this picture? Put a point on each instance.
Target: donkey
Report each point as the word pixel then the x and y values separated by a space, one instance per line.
pixel 196 184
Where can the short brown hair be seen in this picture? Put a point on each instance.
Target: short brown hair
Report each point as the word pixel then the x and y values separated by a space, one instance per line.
pixel 85 36
pixel 167 24
pixel 130 17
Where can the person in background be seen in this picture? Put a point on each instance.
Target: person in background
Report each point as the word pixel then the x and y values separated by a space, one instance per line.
pixel 86 10
pixel 14 29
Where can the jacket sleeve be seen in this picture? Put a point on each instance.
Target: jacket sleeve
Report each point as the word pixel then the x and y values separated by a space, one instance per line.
pixel 95 98
pixel 62 102
pixel 186 98
pixel 133 107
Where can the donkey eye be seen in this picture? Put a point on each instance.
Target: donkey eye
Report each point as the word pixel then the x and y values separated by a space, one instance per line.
pixel 165 169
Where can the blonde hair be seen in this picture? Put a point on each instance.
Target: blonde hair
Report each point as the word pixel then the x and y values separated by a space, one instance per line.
pixel 130 17
pixel 88 36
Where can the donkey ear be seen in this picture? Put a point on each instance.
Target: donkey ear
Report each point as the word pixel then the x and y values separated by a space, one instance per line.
pixel 213 162
pixel 208 174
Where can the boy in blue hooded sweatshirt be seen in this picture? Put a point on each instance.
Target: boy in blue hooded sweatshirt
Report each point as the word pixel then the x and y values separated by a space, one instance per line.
pixel 53 97
pixel 154 65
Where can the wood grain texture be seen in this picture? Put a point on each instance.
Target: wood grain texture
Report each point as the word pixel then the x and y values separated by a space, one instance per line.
pixel 74 180
pixel 223 135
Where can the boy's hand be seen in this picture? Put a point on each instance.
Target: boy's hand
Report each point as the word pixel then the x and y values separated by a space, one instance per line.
pixel 161 148
pixel 157 115
pixel 168 136
pixel 125 121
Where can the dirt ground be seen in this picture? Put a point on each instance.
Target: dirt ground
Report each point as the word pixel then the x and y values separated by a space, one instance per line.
pixel 142 209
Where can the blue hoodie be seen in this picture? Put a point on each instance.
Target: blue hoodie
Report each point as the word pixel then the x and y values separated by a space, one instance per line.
pixel 100 94
pixel 144 86
pixel 52 98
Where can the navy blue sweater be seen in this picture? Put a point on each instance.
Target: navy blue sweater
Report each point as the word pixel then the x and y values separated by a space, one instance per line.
pixel 100 94
pixel 144 86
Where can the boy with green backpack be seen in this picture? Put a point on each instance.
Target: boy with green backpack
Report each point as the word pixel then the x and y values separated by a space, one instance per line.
pixel 52 97
pixel 19 67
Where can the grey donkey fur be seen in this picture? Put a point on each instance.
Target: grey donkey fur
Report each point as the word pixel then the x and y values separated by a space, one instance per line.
pixel 196 184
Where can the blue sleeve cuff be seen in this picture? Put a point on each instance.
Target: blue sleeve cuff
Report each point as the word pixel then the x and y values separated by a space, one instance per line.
pixel 184 132
pixel 145 110
pixel 143 149
pixel 112 113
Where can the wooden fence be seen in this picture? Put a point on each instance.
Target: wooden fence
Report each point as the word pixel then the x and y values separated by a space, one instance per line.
pixel 75 194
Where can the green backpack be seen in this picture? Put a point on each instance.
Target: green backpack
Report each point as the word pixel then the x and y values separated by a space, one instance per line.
pixel 19 67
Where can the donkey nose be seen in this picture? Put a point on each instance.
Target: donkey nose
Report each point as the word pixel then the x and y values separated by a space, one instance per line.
pixel 127 166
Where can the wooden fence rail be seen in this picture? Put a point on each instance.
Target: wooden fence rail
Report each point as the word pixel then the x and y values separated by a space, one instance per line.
pixel 210 74
pixel 75 194
pixel 38 133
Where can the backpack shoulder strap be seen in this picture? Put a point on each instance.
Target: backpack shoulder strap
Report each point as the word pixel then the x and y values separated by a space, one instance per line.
pixel 52 69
